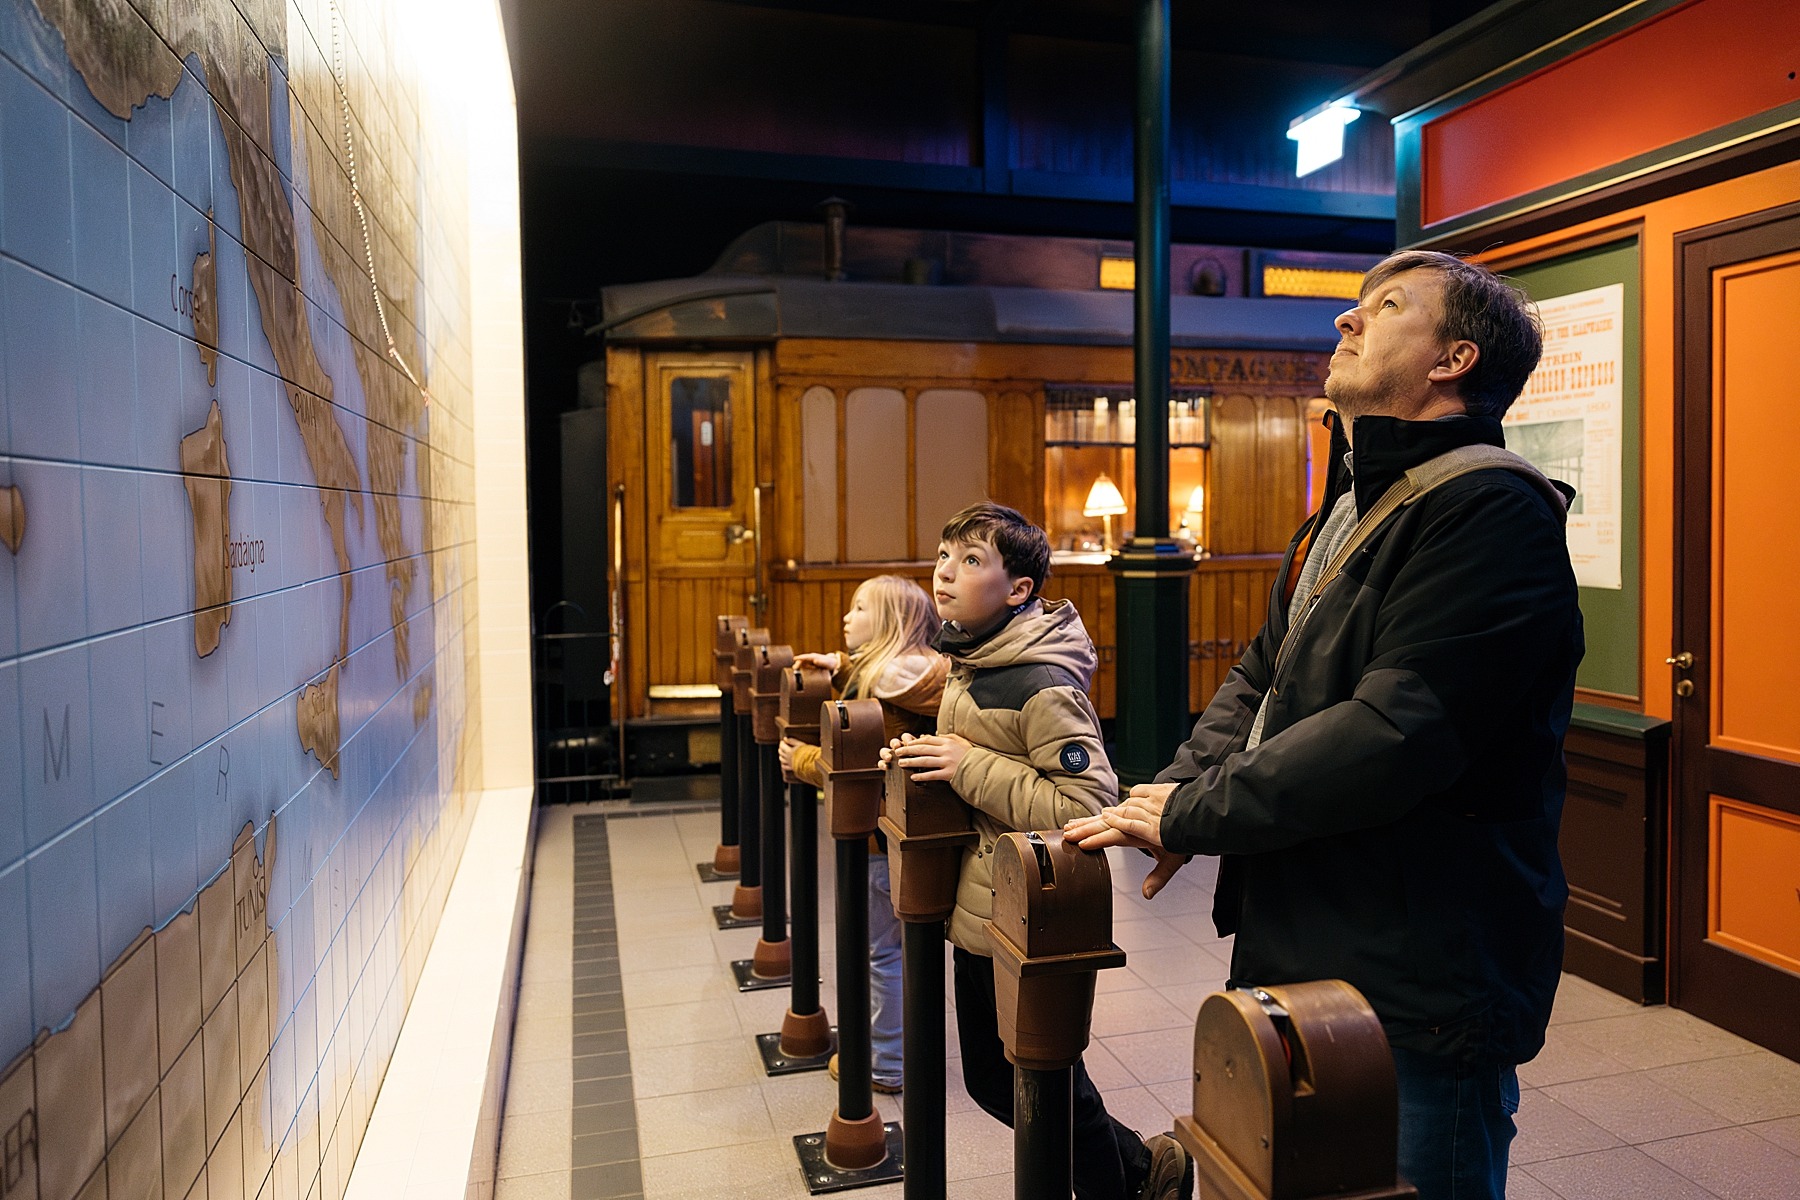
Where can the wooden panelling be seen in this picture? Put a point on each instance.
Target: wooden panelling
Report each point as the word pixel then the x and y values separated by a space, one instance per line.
pixel 1228 600
pixel 1092 588
pixel 1613 831
pixel 1015 452
pixel 1231 522
pixel 1280 470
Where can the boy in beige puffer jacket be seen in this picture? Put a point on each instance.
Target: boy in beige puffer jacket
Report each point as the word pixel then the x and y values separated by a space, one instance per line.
pixel 1020 742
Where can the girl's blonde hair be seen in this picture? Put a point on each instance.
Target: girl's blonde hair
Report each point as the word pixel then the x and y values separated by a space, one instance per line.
pixel 905 623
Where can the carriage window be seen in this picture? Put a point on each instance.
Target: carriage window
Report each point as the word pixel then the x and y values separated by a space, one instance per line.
pixel 700 441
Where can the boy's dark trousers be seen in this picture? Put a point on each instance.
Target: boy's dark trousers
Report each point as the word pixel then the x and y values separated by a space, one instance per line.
pixel 1110 1160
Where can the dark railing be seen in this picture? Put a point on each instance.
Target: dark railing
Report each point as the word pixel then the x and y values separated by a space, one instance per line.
pixel 578 748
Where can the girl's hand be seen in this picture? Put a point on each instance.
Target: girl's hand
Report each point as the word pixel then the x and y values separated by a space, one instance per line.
pixel 934 756
pixel 785 752
pixel 823 662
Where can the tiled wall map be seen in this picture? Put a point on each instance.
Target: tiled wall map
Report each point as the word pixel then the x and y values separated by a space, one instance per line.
pixel 236 583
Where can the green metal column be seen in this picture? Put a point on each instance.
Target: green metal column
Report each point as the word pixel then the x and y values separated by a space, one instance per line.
pixel 1152 571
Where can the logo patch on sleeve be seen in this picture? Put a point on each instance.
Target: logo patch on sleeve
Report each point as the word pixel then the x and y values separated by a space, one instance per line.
pixel 1074 758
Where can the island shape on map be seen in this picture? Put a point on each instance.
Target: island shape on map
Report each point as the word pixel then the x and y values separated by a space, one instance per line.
pixel 207 475
pixel 12 517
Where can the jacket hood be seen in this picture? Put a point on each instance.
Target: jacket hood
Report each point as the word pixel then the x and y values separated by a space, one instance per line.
pixel 1047 631
pixel 914 682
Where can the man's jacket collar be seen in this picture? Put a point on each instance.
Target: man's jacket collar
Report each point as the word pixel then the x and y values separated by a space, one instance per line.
pixel 1388 447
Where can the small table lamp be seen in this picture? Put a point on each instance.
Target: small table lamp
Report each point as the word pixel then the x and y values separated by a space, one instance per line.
pixel 1190 520
pixel 1105 502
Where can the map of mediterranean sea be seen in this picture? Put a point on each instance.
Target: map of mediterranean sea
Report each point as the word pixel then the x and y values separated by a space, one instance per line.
pixel 234 486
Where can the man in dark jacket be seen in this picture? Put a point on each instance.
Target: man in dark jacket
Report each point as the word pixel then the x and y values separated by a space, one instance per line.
pixel 1382 773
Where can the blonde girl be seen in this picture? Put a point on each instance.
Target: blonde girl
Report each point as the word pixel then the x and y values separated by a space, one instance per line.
pixel 888 657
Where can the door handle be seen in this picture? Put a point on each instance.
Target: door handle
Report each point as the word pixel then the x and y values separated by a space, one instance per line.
pixel 1681 661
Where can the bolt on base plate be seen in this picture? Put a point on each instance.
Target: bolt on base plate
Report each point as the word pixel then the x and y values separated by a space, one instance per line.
pixel 821 1177
pixel 710 874
pixel 722 915
pixel 777 1063
pixel 749 981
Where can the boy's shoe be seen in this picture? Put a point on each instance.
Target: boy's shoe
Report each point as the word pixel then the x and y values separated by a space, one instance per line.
pixel 886 1089
pixel 1171 1171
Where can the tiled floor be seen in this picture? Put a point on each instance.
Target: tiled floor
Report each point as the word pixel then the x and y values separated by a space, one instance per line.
pixel 1623 1102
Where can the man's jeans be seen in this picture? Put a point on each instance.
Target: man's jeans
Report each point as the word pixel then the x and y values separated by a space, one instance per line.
pixel 1456 1122
pixel 887 1010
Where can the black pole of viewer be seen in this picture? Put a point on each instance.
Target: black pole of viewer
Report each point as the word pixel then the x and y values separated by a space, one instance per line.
pixel 746 899
pixel 805 1042
pixel 769 966
pixel 856 1148
pixel 725 860
pixel 927 826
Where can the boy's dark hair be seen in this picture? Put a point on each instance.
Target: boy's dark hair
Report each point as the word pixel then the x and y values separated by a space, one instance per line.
pixel 1483 308
pixel 1024 548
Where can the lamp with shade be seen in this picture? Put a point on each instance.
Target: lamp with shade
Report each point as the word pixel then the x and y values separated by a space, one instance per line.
pixel 1105 502
pixel 1196 510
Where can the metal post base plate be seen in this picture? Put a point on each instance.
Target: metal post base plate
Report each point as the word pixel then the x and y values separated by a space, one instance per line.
pixel 749 981
pixel 722 915
pixel 709 875
pixel 822 1177
pixel 776 1063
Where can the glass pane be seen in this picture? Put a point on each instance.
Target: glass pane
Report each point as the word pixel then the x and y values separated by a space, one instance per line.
pixel 700 441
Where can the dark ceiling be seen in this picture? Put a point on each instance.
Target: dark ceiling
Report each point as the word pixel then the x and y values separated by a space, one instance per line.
pixel 653 132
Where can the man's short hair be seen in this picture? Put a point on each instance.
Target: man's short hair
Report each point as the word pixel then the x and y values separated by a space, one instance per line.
pixel 1023 547
pixel 1483 308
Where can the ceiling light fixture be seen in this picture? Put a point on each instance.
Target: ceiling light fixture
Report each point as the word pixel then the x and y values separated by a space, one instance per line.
pixel 1320 135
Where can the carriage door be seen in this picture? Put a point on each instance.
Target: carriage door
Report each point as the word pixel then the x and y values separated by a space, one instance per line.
pixel 701 539
pixel 1737 698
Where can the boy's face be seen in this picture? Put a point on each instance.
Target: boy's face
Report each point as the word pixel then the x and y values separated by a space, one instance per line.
pixel 971 585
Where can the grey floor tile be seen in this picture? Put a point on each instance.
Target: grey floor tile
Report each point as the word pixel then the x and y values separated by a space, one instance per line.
pixel 1624 1173
pixel 1579 1000
pixel 1634 1109
pixel 1157 1056
pixel 1565 1058
pixel 550 1185
pixel 1657 1037
pixel 1743 1089
pixel 729 1116
pixel 696 1067
pixel 1733 1164
pixel 534 1143
pixel 1784 1133
pixel 1549 1130
pixel 1138 1011
pixel 1521 1185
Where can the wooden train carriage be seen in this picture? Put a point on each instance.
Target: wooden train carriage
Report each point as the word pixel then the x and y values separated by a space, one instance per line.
pixel 774 440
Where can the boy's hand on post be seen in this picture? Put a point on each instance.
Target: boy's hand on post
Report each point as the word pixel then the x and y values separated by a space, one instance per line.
pixel 934 756
pixel 888 751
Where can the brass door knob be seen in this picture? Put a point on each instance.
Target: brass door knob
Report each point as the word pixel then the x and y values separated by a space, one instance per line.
pixel 1685 688
pixel 1683 661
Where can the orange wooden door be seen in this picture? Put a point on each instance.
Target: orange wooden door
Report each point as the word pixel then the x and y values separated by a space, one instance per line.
pixel 700 476
pixel 1737 705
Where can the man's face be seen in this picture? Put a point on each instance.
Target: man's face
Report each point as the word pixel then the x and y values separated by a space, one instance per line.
pixel 971 585
pixel 1387 347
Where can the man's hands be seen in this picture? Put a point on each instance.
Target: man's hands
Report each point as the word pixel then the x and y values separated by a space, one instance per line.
pixel 1134 821
pixel 934 756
